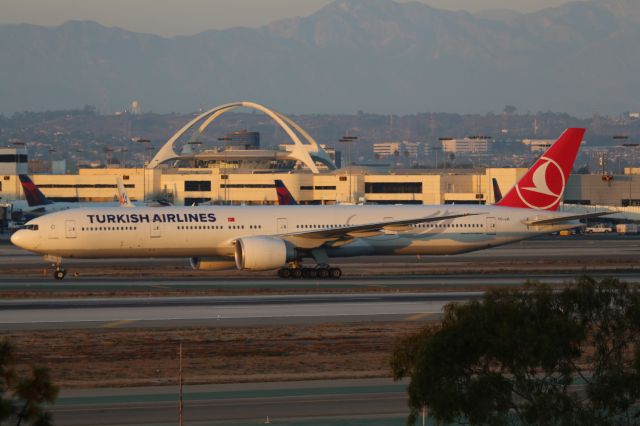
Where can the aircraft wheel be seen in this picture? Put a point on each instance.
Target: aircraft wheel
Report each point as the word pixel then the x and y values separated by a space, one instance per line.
pixel 59 274
pixel 323 272
pixel 335 273
pixel 296 273
pixel 284 273
pixel 313 273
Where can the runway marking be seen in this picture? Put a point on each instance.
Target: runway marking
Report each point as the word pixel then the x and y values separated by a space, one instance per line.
pixel 115 324
pixel 418 316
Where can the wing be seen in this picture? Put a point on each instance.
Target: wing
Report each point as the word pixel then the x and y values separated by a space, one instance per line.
pixel 563 219
pixel 317 237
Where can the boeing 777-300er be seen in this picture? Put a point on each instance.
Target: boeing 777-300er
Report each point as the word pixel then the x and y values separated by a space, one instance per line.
pixel 259 238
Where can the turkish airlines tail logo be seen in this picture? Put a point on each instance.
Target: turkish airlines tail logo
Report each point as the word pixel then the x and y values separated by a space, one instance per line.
pixel 542 187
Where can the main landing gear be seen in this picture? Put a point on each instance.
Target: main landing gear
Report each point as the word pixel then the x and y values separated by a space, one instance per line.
pixel 320 271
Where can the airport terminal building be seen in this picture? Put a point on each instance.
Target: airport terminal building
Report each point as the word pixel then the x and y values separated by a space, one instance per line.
pixel 244 173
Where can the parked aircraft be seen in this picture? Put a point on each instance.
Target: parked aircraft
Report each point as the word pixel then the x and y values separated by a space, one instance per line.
pixel 497 194
pixel 37 204
pixel 280 237
pixel 284 196
pixel 123 198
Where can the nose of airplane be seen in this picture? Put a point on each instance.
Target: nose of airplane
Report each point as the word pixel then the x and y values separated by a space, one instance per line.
pixel 25 239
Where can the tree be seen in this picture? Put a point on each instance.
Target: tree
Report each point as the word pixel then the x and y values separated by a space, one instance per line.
pixel 22 395
pixel 532 356
pixel 510 109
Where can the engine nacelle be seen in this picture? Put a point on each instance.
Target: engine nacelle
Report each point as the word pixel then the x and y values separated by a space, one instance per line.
pixel 211 263
pixel 262 253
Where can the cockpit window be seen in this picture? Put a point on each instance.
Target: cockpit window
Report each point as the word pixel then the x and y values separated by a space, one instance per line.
pixel 31 227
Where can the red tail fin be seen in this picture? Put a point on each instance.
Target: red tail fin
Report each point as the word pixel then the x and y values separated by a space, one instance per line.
pixel 541 188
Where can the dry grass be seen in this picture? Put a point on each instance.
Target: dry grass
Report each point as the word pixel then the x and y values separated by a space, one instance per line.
pixel 135 357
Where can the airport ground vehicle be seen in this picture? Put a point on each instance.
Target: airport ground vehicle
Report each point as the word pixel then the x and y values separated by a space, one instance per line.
pixel 598 228
pixel 627 228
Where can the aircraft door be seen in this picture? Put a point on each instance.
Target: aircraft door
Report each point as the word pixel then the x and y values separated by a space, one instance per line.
pixel 155 229
pixel 70 229
pixel 491 226
pixel 282 225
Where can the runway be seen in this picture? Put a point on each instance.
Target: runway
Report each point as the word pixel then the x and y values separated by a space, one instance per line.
pixel 220 311
pixel 314 403
pixel 385 299
pixel 417 282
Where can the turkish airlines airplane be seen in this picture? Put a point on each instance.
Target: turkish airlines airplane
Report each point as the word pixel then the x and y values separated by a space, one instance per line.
pixel 259 238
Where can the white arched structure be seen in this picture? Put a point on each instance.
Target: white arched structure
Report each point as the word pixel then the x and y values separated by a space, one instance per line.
pixel 307 153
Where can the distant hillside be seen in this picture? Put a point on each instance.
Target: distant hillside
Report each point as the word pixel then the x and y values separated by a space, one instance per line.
pixel 370 55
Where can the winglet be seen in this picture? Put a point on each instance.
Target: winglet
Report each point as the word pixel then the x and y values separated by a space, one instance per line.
pixel 284 196
pixel 34 196
pixel 542 187
pixel 123 198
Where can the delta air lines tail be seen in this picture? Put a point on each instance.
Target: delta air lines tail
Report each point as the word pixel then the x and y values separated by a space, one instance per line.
pixel 32 193
pixel 284 196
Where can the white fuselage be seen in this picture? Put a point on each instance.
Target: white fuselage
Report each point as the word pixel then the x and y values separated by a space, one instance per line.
pixel 213 230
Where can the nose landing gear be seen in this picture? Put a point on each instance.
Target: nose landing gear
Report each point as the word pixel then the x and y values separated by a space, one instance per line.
pixel 56 261
pixel 59 273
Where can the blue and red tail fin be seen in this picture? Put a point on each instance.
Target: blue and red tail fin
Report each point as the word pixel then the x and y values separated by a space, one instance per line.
pixel 284 196
pixel 497 194
pixel 34 196
pixel 542 187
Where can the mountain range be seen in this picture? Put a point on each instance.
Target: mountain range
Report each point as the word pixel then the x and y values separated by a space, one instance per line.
pixel 371 55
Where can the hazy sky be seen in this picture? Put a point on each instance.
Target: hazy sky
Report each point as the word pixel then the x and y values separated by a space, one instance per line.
pixel 185 17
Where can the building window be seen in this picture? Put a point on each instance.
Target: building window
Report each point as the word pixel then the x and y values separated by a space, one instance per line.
pixel 478 202
pixel 197 185
pixel 82 185
pixel 396 202
pixel 13 158
pixel 318 188
pixel 579 202
pixel 393 187
pixel 247 185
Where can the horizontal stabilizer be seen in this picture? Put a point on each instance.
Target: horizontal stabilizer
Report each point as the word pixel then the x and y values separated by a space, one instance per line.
pixel 563 219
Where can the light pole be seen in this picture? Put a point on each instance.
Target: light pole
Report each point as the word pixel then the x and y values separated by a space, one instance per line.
pixel 434 150
pixel 18 144
pixel 147 146
pixel 225 176
pixel 633 147
pixel 347 140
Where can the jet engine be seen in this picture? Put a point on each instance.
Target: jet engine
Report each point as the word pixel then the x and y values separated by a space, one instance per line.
pixel 211 263
pixel 262 253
